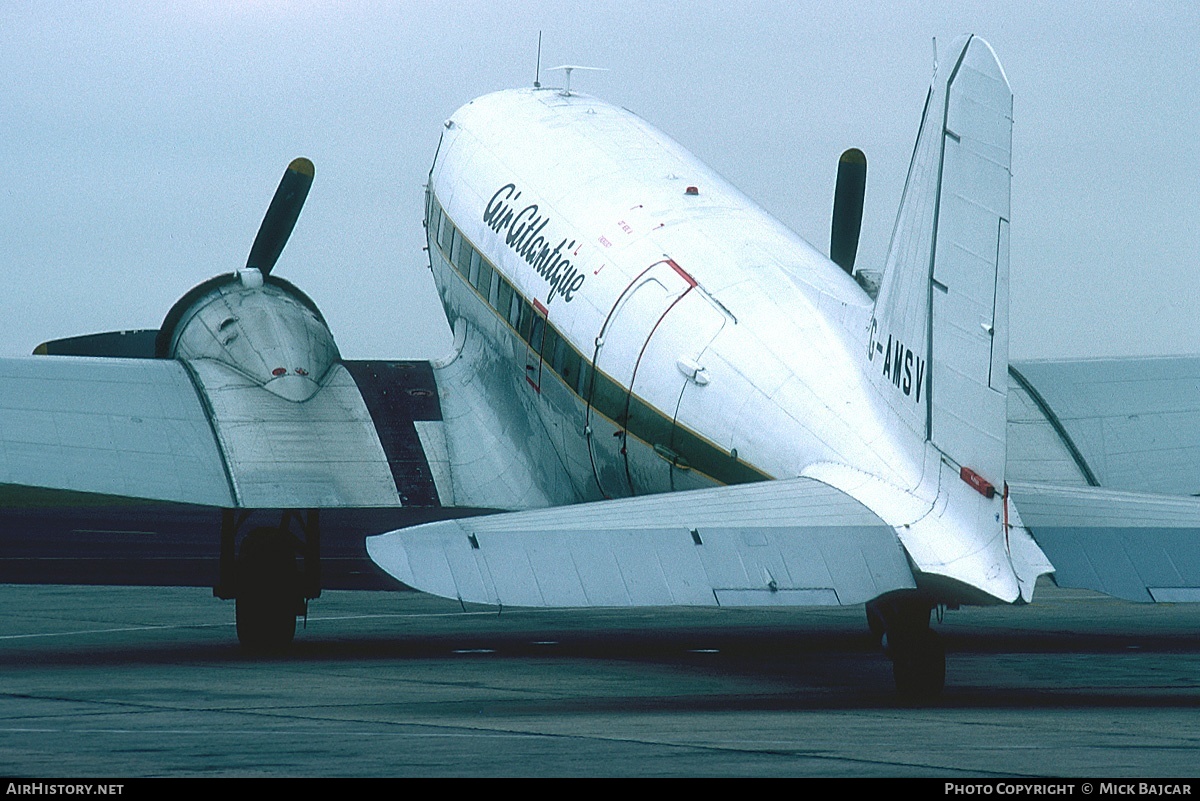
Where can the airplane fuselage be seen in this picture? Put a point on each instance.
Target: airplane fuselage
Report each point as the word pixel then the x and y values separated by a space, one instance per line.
pixel 666 331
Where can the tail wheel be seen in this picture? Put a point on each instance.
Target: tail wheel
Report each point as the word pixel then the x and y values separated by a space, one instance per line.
pixel 918 664
pixel 875 621
pixel 268 591
pixel 917 653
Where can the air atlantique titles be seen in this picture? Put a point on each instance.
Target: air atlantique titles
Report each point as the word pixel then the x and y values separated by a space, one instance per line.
pixel 523 233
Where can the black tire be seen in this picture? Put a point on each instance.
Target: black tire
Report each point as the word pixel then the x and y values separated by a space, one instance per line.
pixel 875 620
pixel 268 592
pixel 918 665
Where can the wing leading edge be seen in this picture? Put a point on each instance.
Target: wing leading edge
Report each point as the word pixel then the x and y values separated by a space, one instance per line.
pixel 789 543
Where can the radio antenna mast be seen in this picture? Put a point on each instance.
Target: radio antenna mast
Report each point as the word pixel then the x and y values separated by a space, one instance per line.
pixel 537 73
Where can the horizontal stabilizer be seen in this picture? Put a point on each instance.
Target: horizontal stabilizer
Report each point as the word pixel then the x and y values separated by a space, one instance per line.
pixel 1129 545
pixel 781 543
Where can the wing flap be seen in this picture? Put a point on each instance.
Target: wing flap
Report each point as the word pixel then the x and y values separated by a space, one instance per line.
pixel 794 543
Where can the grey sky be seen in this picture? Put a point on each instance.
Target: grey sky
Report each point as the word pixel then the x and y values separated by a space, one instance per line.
pixel 141 143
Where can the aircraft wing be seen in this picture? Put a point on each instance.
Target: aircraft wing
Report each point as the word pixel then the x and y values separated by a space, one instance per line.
pixel 1130 545
pixel 1104 461
pixel 1123 424
pixel 202 433
pixel 796 542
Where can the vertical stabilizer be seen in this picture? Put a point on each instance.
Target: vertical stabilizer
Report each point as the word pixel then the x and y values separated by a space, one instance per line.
pixel 939 336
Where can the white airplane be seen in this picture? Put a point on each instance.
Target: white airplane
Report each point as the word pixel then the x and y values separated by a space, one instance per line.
pixel 678 400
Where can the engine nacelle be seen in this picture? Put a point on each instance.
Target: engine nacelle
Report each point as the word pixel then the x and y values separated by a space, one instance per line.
pixel 265 328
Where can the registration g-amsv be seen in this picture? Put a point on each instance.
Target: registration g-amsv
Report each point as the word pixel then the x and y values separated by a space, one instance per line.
pixel 901 364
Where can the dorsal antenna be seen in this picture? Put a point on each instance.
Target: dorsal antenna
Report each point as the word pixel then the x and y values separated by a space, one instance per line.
pixel 567 68
pixel 537 72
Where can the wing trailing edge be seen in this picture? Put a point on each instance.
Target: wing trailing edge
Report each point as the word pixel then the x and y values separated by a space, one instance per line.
pixel 788 543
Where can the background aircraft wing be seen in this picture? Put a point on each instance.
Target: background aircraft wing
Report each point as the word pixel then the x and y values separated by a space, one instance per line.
pixel 795 542
pixel 1103 466
pixel 1123 424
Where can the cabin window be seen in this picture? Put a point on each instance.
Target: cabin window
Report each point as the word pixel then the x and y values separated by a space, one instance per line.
pixel 581 380
pixel 483 280
pixel 466 255
pixel 469 266
pixel 551 342
pixel 456 249
pixel 445 233
pixel 569 369
pixel 526 320
pixel 494 296
pixel 432 216
pixel 537 333
pixel 514 311
pixel 558 359
pixel 504 296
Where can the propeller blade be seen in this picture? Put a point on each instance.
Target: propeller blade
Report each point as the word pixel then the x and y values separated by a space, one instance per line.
pixel 848 208
pixel 137 344
pixel 281 216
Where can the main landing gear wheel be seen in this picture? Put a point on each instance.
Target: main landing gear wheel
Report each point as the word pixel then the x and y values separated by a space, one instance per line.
pixel 918 664
pixel 268 597
pixel 917 653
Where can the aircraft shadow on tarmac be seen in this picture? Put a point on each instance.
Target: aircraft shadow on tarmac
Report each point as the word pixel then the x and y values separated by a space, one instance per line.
pixel 829 665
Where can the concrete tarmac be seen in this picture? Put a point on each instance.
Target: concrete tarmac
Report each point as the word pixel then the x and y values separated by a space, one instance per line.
pixel 132 681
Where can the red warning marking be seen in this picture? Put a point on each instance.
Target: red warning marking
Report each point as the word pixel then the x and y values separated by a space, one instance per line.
pixel 682 272
pixel 977 482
